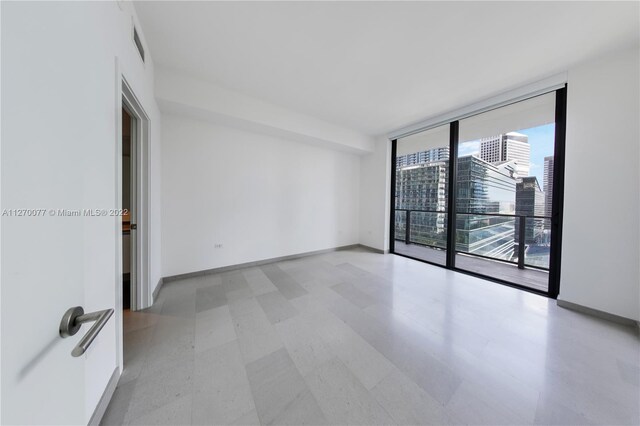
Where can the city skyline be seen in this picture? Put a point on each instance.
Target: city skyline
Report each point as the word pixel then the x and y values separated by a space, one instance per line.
pixel 498 174
pixel 541 140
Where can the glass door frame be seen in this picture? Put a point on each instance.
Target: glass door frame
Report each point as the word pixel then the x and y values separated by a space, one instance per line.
pixel 556 208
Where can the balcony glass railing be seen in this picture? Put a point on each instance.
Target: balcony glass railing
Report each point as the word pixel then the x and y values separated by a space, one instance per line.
pixel 538 241
pixel 425 227
pixel 522 240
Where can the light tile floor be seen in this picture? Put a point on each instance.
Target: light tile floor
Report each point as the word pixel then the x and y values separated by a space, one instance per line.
pixel 354 337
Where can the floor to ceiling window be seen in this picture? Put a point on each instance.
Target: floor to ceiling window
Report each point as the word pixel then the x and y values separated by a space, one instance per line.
pixel 477 194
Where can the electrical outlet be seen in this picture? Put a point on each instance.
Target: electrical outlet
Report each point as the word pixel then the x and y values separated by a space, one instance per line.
pixel 217 246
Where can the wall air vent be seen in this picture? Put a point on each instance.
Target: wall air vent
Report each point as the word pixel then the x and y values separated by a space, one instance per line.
pixel 136 40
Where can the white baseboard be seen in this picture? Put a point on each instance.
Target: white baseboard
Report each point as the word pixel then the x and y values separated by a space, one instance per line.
pixel 105 399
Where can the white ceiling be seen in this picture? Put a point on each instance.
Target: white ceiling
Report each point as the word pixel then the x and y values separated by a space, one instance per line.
pixel 378 66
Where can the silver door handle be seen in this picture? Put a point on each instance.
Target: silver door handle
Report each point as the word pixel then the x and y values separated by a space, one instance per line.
pixel 73 319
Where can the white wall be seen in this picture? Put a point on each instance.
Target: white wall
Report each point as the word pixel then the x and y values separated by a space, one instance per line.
pixel 181 94
pixel 375 169
pixel 59 136
pixel 601 236
pixel 259 196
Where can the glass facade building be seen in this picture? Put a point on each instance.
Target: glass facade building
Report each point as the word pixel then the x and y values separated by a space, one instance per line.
pixel 482 189
pixel 421 198
pixel 530 202
pixel 548 186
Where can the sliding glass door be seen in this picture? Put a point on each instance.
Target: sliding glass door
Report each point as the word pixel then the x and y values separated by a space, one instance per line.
pixel 503 209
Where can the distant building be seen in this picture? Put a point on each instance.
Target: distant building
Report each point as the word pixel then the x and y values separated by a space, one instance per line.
pixel 548 185
pixel 421 157
pixel 530 202
pixel 510 146
pixel 423 188
pixel 481 188
pixel 485 188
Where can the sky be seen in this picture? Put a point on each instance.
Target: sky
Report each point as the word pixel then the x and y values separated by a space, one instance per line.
pixel 541 139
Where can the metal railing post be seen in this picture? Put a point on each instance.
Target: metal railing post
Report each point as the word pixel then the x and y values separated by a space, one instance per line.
pixel 521 236
pixel 407 226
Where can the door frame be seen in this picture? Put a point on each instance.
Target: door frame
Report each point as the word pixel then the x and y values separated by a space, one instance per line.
pixel 134 290
pixel 141 292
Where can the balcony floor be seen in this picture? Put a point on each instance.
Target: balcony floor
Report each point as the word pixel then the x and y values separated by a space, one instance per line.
pixel 528 277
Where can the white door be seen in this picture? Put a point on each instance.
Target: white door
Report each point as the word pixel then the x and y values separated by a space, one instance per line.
pixel 60 106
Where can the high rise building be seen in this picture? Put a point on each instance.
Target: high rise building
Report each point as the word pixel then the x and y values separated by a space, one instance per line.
pixel 421 157
pixel 510 146
pixel 530 202
pixel 547 185
pixel 481 188
pixel 423 188
pixel 485 188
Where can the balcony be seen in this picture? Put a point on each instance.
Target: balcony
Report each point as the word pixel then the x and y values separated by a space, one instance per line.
pixel 510 248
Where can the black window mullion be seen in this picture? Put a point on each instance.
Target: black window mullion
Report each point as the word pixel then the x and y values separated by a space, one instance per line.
pixel 557 198
pixel 451 207
pixel 392 215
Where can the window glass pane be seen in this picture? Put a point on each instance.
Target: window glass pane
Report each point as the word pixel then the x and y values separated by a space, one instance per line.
pixel 504 182
pixel 422 175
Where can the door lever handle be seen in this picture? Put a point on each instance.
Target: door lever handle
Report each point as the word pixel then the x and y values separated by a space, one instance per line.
pixel 73 319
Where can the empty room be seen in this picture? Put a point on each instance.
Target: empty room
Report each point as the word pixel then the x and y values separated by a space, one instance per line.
pixel 320 213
